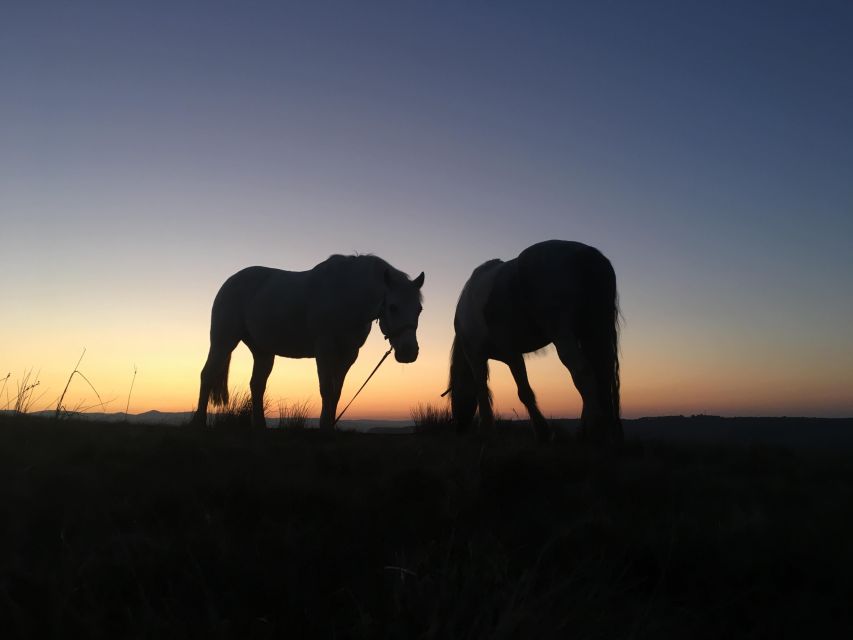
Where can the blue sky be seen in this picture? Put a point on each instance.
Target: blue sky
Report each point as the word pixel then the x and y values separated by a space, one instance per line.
pixel 148 150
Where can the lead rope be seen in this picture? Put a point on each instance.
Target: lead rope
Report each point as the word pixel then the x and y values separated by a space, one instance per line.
pixel 387 353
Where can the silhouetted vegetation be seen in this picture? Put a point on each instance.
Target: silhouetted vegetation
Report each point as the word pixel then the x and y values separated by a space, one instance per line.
pixel 293 415
pixel 115 530
pixel 236 413
pixel 430 417
pixel 62 411
pixel 24 398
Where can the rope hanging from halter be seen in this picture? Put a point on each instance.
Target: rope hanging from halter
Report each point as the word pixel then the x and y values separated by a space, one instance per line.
pixel 390 335
pixel 387 353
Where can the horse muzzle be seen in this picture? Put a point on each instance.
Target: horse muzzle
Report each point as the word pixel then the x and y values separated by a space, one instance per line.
pixel 405 346
pixel 406 355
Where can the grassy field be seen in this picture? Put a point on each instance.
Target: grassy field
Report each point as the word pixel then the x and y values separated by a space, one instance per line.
pixel 134 531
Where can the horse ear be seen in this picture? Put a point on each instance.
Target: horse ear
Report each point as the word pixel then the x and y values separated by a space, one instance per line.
pixel 419 281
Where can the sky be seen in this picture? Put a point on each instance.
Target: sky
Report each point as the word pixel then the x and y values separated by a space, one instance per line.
pixel 148 150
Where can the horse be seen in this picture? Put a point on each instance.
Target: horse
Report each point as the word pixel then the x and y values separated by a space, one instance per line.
pixel 558 292
pixel 323 313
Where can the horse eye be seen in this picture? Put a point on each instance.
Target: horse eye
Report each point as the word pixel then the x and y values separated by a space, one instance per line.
pixel 392 308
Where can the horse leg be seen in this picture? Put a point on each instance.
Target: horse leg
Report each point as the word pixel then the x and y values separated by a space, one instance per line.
pixel 327 384
pixel 584 379
pixel 480 371
pixel 344 363
pixel 528 398
pixel 258 385
pixel 332 368
pixel 214 375
pixel 200 416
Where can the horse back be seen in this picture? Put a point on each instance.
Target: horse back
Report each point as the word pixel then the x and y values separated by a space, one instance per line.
pixel 558 273
pixel 237 292
pixel 513 322
pixel 542 292
pixel 256 303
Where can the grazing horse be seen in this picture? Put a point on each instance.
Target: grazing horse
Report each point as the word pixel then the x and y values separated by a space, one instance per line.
pixel 554 292
pixel 324 313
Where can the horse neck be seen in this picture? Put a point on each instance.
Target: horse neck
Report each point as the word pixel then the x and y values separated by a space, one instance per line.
pixel 372 282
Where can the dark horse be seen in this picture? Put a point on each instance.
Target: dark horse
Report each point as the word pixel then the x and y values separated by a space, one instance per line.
pixel 554 292
pixel 324 313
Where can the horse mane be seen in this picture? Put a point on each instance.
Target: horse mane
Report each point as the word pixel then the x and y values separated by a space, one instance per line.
pixel 339 257
pixel 381 266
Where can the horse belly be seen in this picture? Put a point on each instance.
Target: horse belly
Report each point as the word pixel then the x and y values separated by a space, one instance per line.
pixel 294 346
pixel 282 335
pixel 512 338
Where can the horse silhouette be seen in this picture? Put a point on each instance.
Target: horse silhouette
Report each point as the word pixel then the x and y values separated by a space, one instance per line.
pixel 323 313
pixel 556 292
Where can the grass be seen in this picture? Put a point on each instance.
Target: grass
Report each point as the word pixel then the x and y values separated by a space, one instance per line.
pixel 429 417
pixel 141 531
pixel 25 397
pixel 237 413
pixel 4 386
pixel 293 415
pixel 61 409
pixel 25 400
pixel 130 391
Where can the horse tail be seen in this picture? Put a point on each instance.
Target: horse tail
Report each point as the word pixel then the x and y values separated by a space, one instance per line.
pixel 463 392
pixel 219 384
pixel 599 335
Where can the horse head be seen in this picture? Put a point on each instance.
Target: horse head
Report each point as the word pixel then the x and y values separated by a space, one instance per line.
pixel 398 317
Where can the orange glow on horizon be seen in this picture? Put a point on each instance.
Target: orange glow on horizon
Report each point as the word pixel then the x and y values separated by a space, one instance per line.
pixel 663 373
pixel 167 381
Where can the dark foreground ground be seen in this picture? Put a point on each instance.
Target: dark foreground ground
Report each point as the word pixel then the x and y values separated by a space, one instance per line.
pixel 131 531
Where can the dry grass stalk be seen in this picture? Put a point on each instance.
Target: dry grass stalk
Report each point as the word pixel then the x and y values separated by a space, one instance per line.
pixel 5 390
pixel 23 401
pixel 132 380
pixel 60 409
pixel 430 416
pixel 237 413
pixel 293 416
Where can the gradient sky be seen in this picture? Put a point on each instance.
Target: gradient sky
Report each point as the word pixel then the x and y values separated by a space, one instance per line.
pixel 149 150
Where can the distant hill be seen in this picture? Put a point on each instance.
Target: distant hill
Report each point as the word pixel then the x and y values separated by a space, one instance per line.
pixel 178 418
pixel 148 417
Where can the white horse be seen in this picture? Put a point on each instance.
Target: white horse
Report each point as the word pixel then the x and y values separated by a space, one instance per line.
pixel 324 313
pixel 554 292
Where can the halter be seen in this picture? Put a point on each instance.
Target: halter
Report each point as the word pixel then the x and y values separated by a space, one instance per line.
pixel 398 331
pixel 395 333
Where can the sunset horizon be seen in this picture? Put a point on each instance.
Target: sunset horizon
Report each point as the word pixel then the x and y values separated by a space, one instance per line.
pixel 150 154
pixel 397 389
